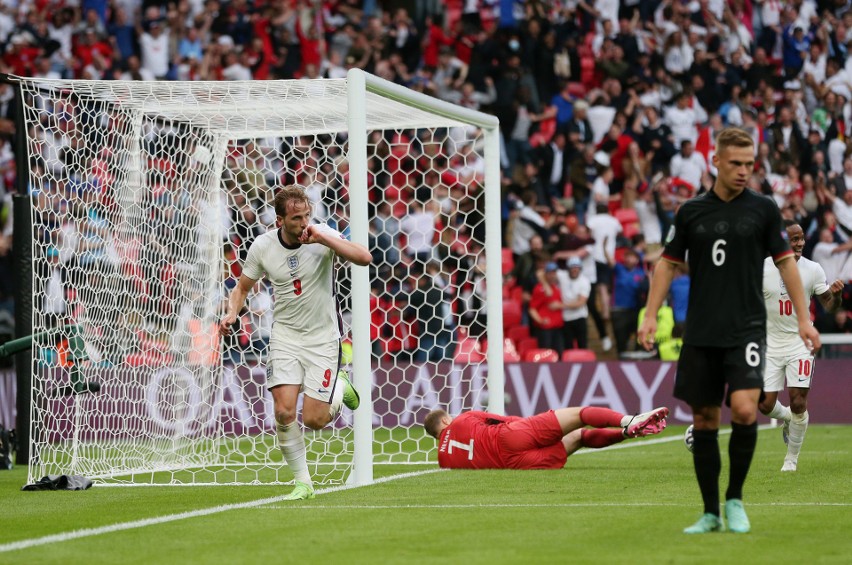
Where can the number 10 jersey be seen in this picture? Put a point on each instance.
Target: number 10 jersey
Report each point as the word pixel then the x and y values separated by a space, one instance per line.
pixel 782 326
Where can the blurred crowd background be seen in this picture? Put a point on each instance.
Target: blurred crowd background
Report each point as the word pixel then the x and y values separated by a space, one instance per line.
pixel 608 112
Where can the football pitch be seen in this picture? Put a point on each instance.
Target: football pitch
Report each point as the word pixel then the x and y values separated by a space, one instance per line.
pixel 618 505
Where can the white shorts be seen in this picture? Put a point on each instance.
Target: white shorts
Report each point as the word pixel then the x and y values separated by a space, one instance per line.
pixel 314 368
pixel 796 368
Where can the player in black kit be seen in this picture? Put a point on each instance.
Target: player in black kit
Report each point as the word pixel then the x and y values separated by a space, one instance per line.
pixel 725 235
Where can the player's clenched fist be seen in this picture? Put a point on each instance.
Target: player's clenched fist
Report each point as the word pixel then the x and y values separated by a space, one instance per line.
pixel 226 323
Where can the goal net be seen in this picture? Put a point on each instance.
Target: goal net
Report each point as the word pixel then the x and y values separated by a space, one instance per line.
pixel 146 196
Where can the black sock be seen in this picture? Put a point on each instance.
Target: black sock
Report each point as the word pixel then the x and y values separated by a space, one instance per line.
pixel 740 452
pixel 708 465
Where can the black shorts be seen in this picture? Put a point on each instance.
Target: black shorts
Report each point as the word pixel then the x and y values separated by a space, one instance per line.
pixel 604 274
pixel 703 372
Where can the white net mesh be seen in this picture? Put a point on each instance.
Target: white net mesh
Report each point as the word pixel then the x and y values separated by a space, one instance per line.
pixel 146 197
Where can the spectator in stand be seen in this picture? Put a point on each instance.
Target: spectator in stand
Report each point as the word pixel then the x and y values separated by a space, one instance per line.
pixel 795 49
pixel 418 227
pixel 835 322
pixel 426 305
pixel 546 310
pixel 655 138
pixel 629 288
pixel 583 171
pixel 785 137
pixel 682 119
pixel 605 229
pixel 580 134
pixel 516 127
pixel 843 182
pixel 553 158
pixel 524 223
pixel 135 70
pixel 563 102
pixel 575 289
pixel 679 295
pixel 154 46
pixel 602 187
pixel 123 34
pixel 841 206
pixel 688 165
pixel 386 230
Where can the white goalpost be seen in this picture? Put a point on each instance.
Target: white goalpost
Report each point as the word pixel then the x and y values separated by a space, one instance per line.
pixel 145 197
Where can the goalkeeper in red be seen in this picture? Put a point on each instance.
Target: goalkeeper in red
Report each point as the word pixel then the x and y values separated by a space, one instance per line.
pixel 304 350
pixel 482 440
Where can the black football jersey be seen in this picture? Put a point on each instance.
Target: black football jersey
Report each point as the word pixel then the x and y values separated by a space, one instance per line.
pixel 725 244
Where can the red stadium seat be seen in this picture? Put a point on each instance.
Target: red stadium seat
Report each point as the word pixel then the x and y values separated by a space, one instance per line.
pixel 517 333
pixel 511 313
pixel 614 206
pixel 541 356
pixel 508 261
pixel 510 354
pixel 517 294
pixel 577 89
pixel 626 216
pixel 630 230
pixel 579 355
pixel 469 351
pixel 525 345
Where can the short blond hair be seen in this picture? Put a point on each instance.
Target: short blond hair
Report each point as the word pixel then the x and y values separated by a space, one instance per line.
pixel 289 194
pixel 432 422
pixel 733 137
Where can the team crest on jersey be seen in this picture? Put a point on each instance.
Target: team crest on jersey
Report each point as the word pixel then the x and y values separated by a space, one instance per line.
pixel 292 262
pixel 670 235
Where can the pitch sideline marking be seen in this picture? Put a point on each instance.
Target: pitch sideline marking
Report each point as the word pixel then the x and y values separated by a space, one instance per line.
pixel 559 505
pixel 89 532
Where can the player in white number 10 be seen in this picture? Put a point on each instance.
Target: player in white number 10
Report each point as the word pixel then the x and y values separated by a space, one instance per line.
pixel 787 359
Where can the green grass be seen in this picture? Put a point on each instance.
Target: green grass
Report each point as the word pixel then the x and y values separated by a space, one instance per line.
pixel 611 506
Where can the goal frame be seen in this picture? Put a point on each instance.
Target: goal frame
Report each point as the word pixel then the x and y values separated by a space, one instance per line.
pixel 360 90
pixel 358 84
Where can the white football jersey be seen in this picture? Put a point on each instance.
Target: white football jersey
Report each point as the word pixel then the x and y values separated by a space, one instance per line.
pixel 303 283
pixel 782 326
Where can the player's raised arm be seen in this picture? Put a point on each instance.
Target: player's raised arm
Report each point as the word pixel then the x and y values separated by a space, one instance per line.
pixel 235 303
pixel 795 289
pixel 832 299
pixel 343 248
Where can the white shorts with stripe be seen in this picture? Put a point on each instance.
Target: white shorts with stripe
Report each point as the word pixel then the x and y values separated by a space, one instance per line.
pixel 313 367
pixel 795 367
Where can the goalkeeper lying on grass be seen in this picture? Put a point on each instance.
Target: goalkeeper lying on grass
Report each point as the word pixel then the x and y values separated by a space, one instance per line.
pixel 481 440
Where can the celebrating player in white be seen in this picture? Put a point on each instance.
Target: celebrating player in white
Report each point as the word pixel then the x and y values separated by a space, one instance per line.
pixel 304 350
pixel 787 358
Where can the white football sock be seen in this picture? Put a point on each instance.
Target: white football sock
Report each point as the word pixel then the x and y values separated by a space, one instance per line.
pixel 336 399
pixel 291 441
pixel 780 412
pixel 798 427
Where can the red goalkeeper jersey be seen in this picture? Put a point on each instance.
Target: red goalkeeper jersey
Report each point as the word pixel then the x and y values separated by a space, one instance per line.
pixel 482 440
pixel 471 441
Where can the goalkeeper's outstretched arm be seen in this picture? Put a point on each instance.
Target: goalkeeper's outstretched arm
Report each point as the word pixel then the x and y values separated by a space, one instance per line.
pixel 235 303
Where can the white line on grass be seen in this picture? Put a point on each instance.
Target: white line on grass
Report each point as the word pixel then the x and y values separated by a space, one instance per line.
pixel 89 532
pixel 565 505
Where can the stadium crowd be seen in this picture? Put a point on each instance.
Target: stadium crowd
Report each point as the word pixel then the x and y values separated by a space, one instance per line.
pixel 608 111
